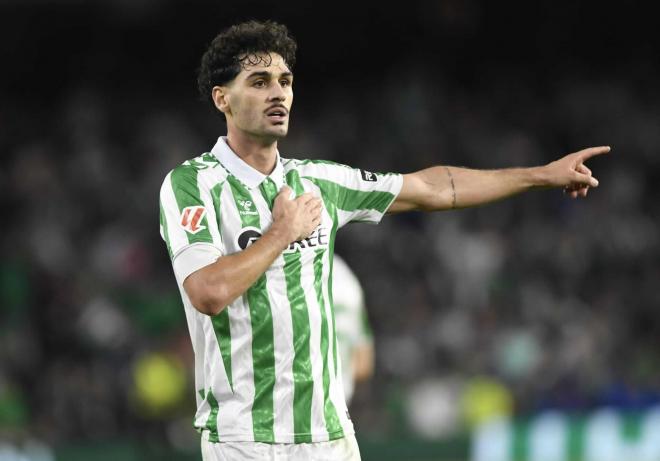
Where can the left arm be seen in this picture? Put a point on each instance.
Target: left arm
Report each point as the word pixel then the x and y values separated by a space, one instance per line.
pixel 447 187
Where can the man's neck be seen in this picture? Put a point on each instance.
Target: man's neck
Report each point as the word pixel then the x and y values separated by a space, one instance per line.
pixel 258 154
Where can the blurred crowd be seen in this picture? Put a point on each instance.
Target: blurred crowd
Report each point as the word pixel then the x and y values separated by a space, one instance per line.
pixel 535 302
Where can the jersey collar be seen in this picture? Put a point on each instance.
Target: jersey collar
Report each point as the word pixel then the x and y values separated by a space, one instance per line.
pixel 241 170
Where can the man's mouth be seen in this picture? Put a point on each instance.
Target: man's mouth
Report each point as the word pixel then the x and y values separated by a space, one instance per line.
pixel 277 114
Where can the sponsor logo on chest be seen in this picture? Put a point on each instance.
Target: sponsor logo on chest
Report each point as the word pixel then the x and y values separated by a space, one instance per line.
pixel 320 238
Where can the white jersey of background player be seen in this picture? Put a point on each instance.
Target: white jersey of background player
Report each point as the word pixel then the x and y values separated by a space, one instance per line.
pixel 354 339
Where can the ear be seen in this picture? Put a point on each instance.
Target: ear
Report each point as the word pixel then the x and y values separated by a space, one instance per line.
pixel 220 97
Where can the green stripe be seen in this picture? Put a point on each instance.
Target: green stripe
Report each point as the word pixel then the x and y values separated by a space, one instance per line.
pixel 186 191
pixel 332 423
pixel 210 158
pixel 216 192
pixel 328 190
pixel 221 321
pixel 201 162
pixel 322 162
pixel 263 347
pixel 163 222
pixel 212 421
pixel 293 181
pixel 223 335
pixel 268 191
pixel 333 233
pixel 303 386
pixel 350 199
pixel 331 163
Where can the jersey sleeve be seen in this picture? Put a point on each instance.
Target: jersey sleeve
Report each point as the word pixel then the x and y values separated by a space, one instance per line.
pixel 359 195
pixel 188 222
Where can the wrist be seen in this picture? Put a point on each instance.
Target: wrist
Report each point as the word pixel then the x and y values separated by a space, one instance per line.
pixel 537 177
pixel 280 234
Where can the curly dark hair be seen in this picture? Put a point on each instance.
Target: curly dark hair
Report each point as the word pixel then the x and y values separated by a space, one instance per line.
pixel 237 46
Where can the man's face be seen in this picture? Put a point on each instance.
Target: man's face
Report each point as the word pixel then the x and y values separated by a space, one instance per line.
pixel 257 102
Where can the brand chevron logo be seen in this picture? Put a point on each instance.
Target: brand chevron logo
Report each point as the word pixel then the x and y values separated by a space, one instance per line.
pixel 191 216
pixel 246 204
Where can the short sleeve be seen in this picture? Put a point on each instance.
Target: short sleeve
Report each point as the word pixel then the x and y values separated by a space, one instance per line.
pixel 359 195
pixel 188 222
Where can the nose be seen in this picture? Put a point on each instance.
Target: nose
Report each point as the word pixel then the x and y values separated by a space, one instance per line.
pixel 277 93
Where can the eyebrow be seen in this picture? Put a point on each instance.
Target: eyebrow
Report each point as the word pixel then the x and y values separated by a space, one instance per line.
pixel 267 74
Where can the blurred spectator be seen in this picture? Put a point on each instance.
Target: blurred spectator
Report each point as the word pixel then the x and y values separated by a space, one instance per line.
pixel 354 338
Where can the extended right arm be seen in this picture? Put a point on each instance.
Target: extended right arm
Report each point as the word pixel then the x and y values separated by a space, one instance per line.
pixel 213 287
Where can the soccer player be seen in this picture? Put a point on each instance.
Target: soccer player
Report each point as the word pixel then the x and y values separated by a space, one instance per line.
pixel 251 237
pixel 354 338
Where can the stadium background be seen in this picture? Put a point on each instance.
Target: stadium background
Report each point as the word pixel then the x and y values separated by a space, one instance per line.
pixel 537 310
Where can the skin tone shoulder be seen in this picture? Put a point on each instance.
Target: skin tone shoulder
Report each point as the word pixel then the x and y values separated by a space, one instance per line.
pixel 257 104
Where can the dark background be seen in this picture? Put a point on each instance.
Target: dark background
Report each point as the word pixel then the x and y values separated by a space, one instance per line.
pixel 537 302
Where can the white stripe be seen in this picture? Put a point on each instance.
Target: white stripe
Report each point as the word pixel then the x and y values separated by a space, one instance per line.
pixel 282 336
pixel 319 429
pixel 238 410
pixel 368 216
pixel 283 344
pixel 313 308
pixel 336 385
pixel 199 348
pixel 343 218
pixel 215 370
pixel 203 184
pixel 339 174
pixel 350 178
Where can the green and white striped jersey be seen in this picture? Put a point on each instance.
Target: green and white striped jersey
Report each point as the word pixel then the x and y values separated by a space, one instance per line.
pixel 266 367
pixel 352 323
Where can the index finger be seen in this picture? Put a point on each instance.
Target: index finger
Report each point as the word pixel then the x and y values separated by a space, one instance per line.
pixel 593 151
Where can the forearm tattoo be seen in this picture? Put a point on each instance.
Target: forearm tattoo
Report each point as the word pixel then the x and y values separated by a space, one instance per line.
pixel 453 188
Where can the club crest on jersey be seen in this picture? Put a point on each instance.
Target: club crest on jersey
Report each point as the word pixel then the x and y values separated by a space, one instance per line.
pixel 368 176
pixel 191 216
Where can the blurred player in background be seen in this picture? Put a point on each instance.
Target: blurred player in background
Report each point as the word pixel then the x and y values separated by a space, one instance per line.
pixel 251 238
pixel 354 339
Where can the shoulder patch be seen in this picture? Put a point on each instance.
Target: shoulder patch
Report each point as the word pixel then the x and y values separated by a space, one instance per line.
pixel 191 216
pixel 368 176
